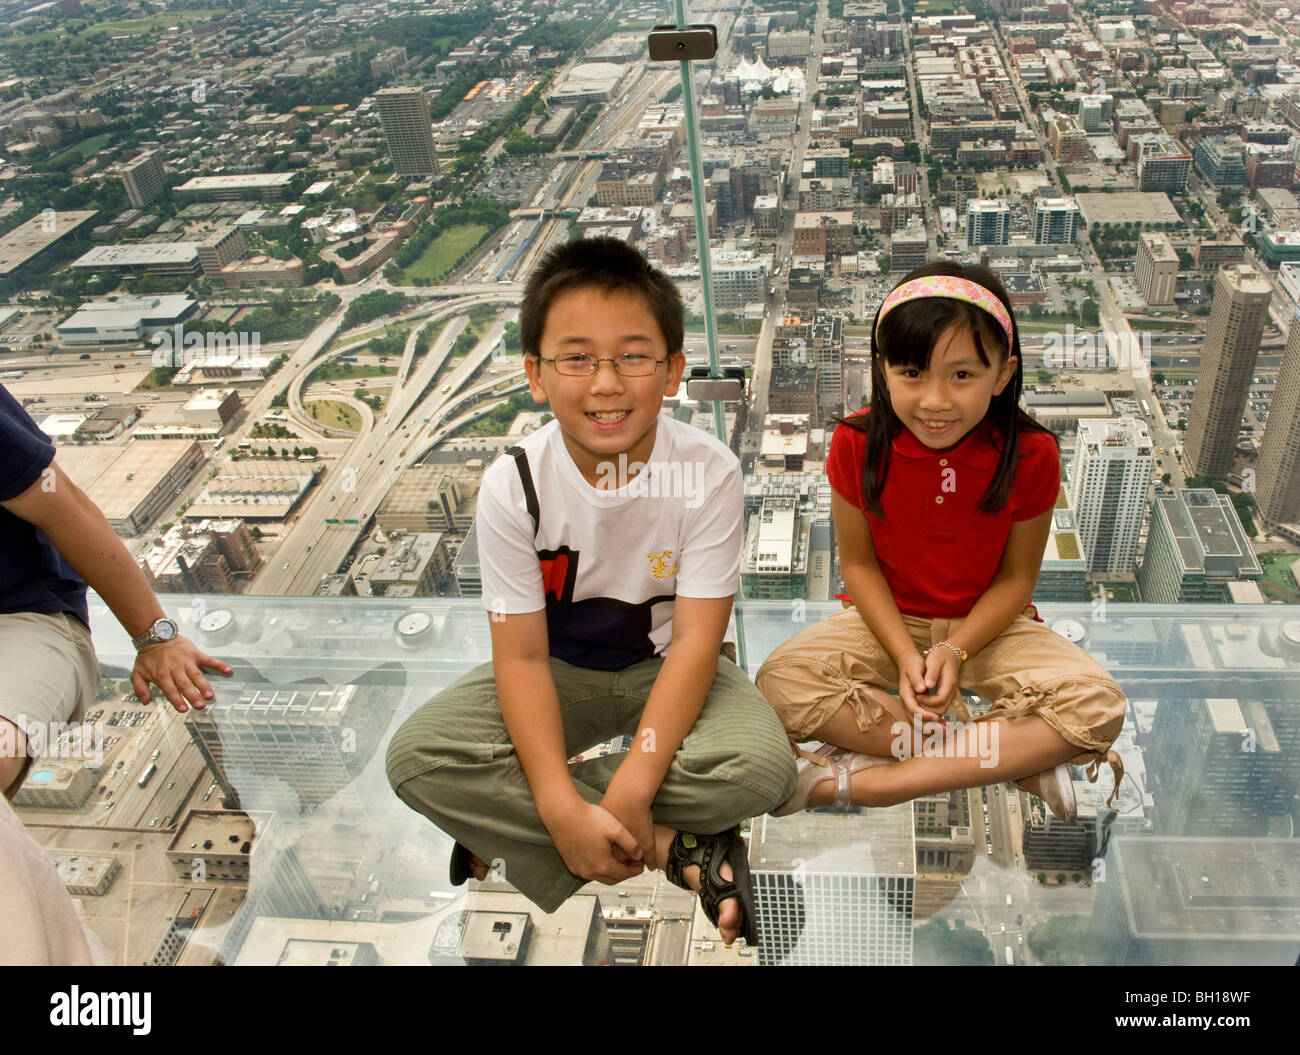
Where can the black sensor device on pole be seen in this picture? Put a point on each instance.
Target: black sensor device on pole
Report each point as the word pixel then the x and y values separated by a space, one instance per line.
pixel 670 44
pixel 729 388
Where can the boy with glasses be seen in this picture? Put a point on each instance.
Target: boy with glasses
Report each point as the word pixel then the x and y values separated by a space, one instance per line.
pixel 609 543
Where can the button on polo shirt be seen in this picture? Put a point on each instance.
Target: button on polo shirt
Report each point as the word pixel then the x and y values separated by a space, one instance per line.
pixel 937 551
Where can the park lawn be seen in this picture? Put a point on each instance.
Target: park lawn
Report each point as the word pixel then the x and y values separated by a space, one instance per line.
pixel 339 371
pixel 1182 325
pixel 86 147
pixel 1047 322
pixel 444 251
pixel 741 328
pixel 333 413
pixel 1280 573
pixel 1125 593
pixel 123 27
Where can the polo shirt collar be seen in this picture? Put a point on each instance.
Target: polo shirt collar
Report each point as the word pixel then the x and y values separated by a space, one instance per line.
pixel 975 451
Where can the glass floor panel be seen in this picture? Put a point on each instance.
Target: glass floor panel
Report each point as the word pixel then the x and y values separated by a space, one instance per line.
pixel 263 830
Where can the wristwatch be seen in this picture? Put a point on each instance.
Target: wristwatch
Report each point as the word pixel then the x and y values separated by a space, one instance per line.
pixel 162 630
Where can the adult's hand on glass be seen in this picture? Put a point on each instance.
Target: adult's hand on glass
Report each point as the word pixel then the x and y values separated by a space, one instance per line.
pixel 176 668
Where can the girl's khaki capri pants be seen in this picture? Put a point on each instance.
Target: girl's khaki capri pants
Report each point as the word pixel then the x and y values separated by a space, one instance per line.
pixel 1027 669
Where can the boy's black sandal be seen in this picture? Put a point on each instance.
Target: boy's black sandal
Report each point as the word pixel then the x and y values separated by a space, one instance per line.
pixel 458 868
pixel 709 852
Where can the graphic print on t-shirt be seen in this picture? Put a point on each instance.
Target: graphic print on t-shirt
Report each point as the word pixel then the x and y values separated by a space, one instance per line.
pixel 559 572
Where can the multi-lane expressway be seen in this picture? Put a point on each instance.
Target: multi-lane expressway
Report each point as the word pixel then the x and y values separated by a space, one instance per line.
pixel 361 477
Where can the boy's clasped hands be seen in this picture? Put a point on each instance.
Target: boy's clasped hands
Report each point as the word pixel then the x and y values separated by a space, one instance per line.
pixel 607 841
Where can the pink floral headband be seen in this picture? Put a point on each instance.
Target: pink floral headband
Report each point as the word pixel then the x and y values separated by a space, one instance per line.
pixel 954 288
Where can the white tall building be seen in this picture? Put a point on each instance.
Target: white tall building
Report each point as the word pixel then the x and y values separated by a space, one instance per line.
pixel 1095 113
pixel 988 222
pixel 1108 490
pixel 1055 220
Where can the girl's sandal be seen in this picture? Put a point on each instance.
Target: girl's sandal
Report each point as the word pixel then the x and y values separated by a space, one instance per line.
pixel 828 762
pixel 709 852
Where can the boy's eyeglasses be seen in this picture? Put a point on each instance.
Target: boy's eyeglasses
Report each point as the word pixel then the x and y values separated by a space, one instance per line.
pixel 630 364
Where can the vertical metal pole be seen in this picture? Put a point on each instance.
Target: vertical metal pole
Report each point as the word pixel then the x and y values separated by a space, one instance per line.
pixel 701 226
pixel 706 277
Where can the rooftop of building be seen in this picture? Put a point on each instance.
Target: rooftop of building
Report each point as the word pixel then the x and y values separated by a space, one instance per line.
pixel 241 181
pixel 1203 888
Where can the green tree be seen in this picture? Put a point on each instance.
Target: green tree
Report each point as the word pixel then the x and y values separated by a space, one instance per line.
pixel 938 944
pixel 1059 941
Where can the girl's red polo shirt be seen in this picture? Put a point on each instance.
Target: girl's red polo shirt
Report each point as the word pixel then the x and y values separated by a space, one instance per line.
pixel 938 552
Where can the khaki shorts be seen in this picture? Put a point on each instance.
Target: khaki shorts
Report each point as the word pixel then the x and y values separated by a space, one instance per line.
pixel 49 672
pixel 1027 669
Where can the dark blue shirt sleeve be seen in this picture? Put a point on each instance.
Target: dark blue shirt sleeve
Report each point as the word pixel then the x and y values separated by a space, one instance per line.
pixel 25 451
pixel 34 577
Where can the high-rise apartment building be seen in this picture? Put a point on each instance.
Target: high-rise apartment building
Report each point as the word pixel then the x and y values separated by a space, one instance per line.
pixel 1163 164
pixel 1157 268
pixel 1277 473
pixel 1221 160
pixel 1055 221
pixel 1195 548
pixel 1068 139
pixel 144 179
pixel 409 131
pixel 1095 112
pixel 1112 467
pixel 1238 315
pixel 988 222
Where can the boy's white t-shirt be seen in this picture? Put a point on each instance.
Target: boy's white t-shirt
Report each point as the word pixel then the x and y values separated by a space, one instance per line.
pixel 606 564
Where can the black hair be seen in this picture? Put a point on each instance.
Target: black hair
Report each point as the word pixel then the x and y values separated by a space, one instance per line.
pixel 907 337
pixel 610 266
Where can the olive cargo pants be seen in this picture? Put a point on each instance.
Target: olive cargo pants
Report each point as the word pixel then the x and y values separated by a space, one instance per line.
pixel 452 760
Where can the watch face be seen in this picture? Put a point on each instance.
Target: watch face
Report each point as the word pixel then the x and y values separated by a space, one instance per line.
pixel 165 629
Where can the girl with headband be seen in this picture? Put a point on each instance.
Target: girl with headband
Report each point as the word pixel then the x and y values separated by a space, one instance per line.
pixel 943 491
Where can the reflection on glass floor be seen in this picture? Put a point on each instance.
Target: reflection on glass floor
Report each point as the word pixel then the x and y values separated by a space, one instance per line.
pixel 263 830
